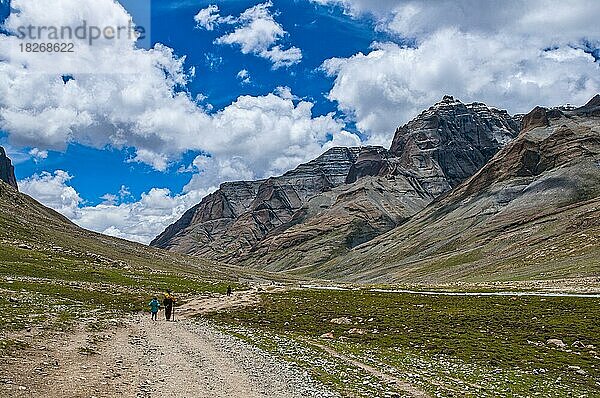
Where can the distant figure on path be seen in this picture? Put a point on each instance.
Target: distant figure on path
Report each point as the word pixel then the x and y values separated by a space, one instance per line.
pixel 229 291
pixel 154 307
pixel 169 302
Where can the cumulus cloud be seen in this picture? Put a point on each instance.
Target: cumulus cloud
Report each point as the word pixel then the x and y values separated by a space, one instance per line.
pixel 139 221
pixel 208 17
pixel 38 155
pixel 282 58
pixel 52 190
pixel 552 20
pixel 358 7
pixel 143 105
pixel 514 55
pixel 255 32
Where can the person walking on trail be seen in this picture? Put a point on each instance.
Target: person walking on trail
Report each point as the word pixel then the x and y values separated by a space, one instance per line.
pixel 169 303
pixel 154 307
pixel 229 291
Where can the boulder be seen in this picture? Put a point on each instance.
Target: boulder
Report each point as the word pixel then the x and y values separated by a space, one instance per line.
pixel 556 342
pixel 342 321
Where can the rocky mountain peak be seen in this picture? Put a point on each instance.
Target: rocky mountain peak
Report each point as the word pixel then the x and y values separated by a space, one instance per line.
pixel 450 119
pixel 448 99
pixel 7 171
pixel 542 117
pixel 442 146
pixel 594 102
pixel 536 118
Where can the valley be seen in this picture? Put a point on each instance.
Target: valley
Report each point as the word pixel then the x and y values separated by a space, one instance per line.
pixel 367 272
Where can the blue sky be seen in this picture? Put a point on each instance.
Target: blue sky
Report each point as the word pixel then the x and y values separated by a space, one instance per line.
pixel 144 130
pixel 95 170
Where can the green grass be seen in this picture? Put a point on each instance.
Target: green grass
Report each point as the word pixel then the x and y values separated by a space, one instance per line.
pixel 53 290
pixel 54 274
pixel 496 342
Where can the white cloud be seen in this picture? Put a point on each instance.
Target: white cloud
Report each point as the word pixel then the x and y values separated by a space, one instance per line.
pixel 255 32
pixel 52 190
pixel 272 133
pixel 139 221
pixel 282 58
pixel 552 20
pixel 548 21
pixel 158 161
pixel 208 17
pixel 124 192
pixel 145 110
pixel 244 76
pixel 515 55
pixel 38 155
pixel 109 199
pixel 358 7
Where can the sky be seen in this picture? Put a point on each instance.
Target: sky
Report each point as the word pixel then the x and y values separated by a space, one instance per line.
pixel 126 133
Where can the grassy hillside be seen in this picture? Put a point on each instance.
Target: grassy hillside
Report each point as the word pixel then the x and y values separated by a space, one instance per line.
pixel 53 273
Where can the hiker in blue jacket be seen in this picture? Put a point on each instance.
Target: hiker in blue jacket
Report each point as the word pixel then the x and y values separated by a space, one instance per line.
pixel 154 307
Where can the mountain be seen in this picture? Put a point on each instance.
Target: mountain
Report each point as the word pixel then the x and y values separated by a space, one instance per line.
pixel 442 146
pixel 532 212
pixel 345 197
pixel 7 171
pixel 230 221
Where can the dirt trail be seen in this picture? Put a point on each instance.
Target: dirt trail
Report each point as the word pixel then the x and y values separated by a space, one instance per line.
pixel 146 359
pixel 219 302
pixel 398 383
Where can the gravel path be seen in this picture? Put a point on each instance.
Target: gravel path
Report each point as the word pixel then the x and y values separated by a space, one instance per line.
pixel 191 359
pixel 146 359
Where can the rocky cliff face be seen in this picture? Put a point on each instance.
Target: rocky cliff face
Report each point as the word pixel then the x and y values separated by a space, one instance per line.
pixel 229 222
pixel 7 171
pixel 336 221
pixel 345 197
pixel 443 146
pixel 532 212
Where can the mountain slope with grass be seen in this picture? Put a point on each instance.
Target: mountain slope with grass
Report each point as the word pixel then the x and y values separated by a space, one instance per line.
pixel 533 212
pixel 53 273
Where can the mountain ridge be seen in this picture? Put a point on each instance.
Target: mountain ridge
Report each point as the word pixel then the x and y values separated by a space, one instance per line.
pixel 259 206
pixel 284 220
pixel 532 212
